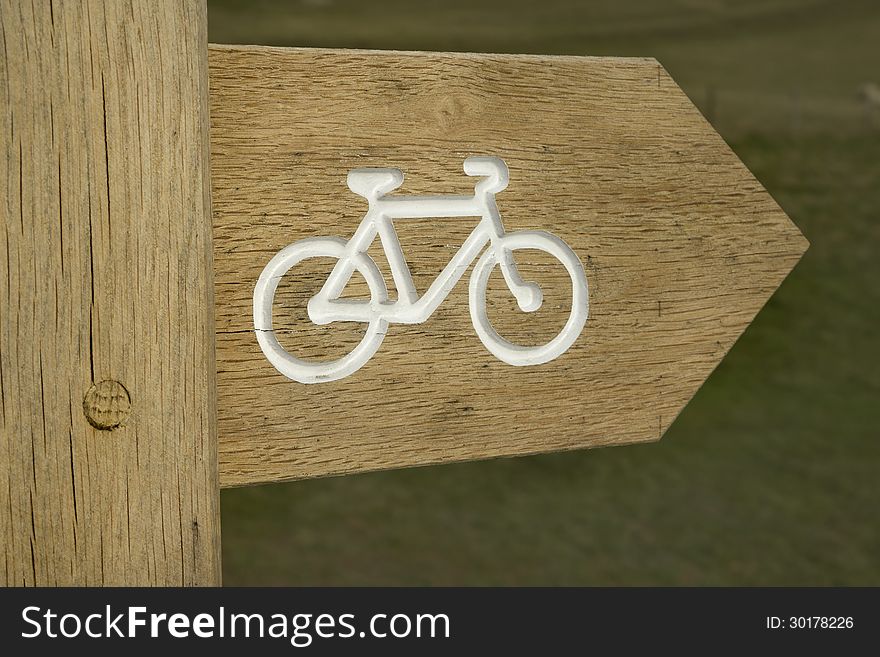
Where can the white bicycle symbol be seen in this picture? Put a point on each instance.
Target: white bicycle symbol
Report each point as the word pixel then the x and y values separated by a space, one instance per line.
pixel 326 306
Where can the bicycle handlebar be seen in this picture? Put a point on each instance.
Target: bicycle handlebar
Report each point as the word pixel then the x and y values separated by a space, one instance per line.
pixel 492 168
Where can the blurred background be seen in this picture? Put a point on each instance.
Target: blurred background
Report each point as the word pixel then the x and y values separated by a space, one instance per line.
pixel 771 475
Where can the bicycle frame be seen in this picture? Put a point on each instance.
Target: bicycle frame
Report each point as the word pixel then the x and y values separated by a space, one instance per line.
pixel 410 308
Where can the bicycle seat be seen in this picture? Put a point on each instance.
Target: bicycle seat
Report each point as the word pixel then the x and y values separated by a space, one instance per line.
pixel 374 182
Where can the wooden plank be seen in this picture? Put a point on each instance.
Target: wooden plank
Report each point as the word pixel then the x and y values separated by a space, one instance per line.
pixel 681 247
pixel 107 296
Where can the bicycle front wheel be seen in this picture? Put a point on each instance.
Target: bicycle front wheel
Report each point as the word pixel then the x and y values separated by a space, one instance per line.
pixel 504 350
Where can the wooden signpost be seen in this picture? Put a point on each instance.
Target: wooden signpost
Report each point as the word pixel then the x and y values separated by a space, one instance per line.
pixel 127 281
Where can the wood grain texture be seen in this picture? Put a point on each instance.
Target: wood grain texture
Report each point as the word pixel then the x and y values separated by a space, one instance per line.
pixel 105 276
pixel 681 245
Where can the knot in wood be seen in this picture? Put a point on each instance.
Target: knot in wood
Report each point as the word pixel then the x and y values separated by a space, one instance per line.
pixel 107 405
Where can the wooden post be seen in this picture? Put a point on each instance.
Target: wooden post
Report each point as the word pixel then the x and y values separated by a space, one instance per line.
pixel 108 450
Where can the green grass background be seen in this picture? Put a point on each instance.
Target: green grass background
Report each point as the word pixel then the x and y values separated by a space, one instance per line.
pixel 770 475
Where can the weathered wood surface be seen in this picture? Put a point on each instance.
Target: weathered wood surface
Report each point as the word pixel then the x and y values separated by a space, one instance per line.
pixel 681 246
pixel 105 276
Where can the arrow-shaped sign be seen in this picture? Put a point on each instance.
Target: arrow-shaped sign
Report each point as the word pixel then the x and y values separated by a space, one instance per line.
pixel 619 248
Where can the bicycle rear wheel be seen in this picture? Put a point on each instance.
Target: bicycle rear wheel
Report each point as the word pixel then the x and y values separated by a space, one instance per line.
pixel 305 371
